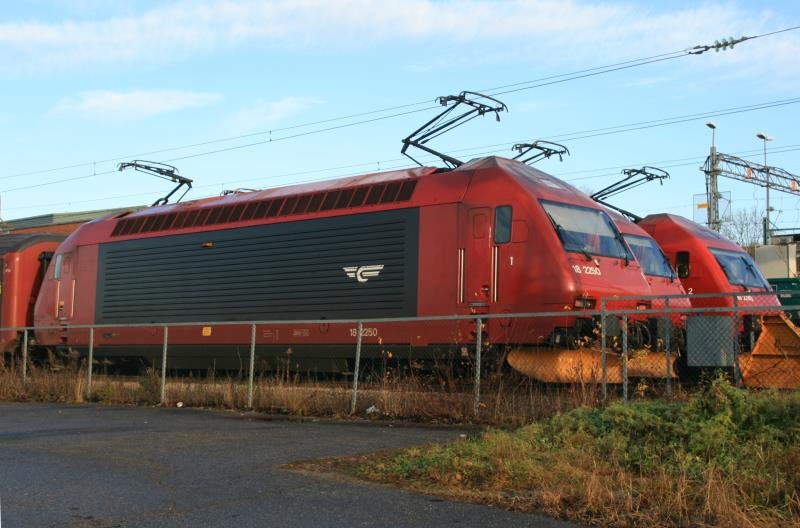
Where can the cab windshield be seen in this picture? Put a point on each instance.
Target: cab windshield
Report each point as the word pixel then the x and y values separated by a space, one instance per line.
pixel 585 230
pixel 651 258
pixel 739 268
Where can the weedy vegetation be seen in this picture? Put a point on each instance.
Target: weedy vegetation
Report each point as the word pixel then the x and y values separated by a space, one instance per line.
pixel 726 457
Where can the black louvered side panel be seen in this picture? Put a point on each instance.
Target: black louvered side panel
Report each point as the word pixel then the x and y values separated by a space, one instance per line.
pixel 295 270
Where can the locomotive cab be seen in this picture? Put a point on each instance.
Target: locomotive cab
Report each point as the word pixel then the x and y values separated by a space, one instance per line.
pixel 563 252
pixel 574 258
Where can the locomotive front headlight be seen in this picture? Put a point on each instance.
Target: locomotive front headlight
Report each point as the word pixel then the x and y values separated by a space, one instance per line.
pixel 585 302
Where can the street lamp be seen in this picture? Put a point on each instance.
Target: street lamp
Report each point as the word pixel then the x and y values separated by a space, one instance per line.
pixel 764 138
pixel 713 126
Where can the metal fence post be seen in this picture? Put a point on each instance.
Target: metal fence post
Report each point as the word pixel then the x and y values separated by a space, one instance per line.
pixel 478 345
pixel 91 362
pixel 250 373
pixel 353 396
pixel 668 346
pixel 603 365
pixel 625 357
pixel 25 355
pixel 164 367
pixel 736 366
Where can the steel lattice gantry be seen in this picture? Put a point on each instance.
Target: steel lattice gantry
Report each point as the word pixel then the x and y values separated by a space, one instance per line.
pixel 719 164
pixel 755 173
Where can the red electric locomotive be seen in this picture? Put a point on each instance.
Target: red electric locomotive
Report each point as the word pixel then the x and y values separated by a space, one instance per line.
pixel 24 262
pixel 490 236
pixel 707 262
pixel 720 274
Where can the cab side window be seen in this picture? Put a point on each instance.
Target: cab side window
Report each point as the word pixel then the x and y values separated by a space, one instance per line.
pixel 502 224
pixel 57 267
pixel 682 264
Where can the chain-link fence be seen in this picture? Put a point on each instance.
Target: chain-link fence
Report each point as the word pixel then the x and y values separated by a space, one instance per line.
pixel 747 337
pixel 459 365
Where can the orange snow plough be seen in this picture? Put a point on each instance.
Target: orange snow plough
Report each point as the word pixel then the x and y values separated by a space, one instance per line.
pixel 775 359
pixel 585 364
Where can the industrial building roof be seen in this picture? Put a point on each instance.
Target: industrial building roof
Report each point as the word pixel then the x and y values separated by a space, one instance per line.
pixel 62 218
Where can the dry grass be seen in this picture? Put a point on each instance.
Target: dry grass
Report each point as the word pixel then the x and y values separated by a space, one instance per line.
pixel 506 400
pixel 63 385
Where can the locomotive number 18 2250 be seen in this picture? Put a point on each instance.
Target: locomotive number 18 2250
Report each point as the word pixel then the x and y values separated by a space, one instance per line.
pixel 587 270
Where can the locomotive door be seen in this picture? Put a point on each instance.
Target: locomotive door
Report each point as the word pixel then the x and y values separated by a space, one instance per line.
pixel 475 259
pixel 65 289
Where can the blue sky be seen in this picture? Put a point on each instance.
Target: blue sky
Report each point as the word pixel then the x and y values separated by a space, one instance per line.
pixel 90 83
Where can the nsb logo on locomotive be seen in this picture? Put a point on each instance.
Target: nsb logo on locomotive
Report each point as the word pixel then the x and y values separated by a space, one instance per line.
pixel 363 273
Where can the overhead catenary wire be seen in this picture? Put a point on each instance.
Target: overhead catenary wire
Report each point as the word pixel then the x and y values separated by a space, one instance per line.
pixel 583 134
pixel 672 120
pixel 571 136
pixel 497 90
pixel 231 138
pixel 686 161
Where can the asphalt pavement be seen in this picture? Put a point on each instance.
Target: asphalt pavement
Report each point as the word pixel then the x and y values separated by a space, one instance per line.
pixel 92 466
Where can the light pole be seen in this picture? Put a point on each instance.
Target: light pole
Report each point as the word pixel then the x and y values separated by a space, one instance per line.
pixel 712 192
pixel 764 138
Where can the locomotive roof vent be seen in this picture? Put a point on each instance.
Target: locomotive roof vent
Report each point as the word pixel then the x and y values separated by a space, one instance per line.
pixel 307 203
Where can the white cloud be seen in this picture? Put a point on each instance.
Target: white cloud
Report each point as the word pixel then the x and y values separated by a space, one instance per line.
pixel 541 30
pixel 186 26
pixel 137 104
pixel 265 114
